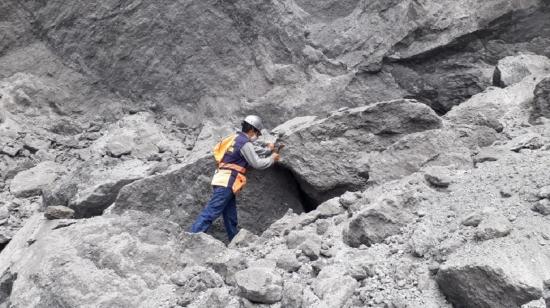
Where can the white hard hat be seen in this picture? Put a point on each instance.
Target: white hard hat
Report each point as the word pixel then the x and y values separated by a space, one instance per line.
pixel 255 121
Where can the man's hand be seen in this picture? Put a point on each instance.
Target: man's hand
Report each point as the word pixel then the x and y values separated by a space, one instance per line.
pixel 271 146
pixel 276 156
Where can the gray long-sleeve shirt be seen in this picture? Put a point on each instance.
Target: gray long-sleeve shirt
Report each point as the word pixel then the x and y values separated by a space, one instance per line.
pixel 250 154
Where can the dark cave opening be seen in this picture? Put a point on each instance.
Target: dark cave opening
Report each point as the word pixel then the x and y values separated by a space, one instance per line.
pixel 3 245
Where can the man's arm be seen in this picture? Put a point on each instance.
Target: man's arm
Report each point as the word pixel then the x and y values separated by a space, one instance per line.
pixel 262 149
pixel 248 152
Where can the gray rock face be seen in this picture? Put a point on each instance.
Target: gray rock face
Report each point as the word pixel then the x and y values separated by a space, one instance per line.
pixel 326 154
pixel 278 58
pixel 260 285
pixel 15 31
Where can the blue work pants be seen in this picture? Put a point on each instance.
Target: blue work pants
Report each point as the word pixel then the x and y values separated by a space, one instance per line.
pixel 223 203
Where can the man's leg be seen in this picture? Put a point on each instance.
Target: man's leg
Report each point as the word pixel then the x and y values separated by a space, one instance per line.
pixel 220 197
pixel 230 218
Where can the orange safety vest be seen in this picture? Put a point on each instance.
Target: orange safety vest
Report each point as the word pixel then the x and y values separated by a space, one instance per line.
pixel 231 165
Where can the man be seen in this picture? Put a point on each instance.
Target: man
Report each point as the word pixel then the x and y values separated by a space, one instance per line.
pixel 234 155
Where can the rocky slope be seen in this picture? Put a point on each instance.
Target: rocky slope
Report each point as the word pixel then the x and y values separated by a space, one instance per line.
pixel 415 172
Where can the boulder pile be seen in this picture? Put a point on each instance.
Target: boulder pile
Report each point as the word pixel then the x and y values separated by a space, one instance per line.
pixel 415 172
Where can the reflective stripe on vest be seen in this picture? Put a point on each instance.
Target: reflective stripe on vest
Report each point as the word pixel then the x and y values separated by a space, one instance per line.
pixel 235 167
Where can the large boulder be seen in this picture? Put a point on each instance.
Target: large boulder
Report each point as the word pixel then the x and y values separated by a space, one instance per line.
pixel 498 273
pixel 498 108
pixel 513 69
pixel 440 147
pixel 104 261
pixel 181 193
pixel 31 182
pixel 94 185
pixel 325 154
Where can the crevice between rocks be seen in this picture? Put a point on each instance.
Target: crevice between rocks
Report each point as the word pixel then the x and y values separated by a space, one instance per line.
pixel 308 202
pixel 3 245
pixel 6 286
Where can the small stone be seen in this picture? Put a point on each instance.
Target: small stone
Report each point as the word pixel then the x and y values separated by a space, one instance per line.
pixel 92 136
pixel 311 249
pixel 422 241
pixel 330 208
pixel 493 227
pixel 348 199
pixel 487 155
pixel 288 262
pixel 119 146
pixel 420 212
pixel 243 239
pixel 542 207
pixel 339 219
pixel 322 226
pixel 505 193
pixel 197 278
pixel 4 213
pixel 437 176
pixel 264 263
pixel 433 268
pixel 530 141
pixel 58 212
pixel 328 253
pixel 472 219
pixel 544 192
pixel 260 285
pixel 10 150
pixel 35 144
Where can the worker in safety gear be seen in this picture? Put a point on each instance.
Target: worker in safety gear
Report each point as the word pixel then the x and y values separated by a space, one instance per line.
pixel 234 155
